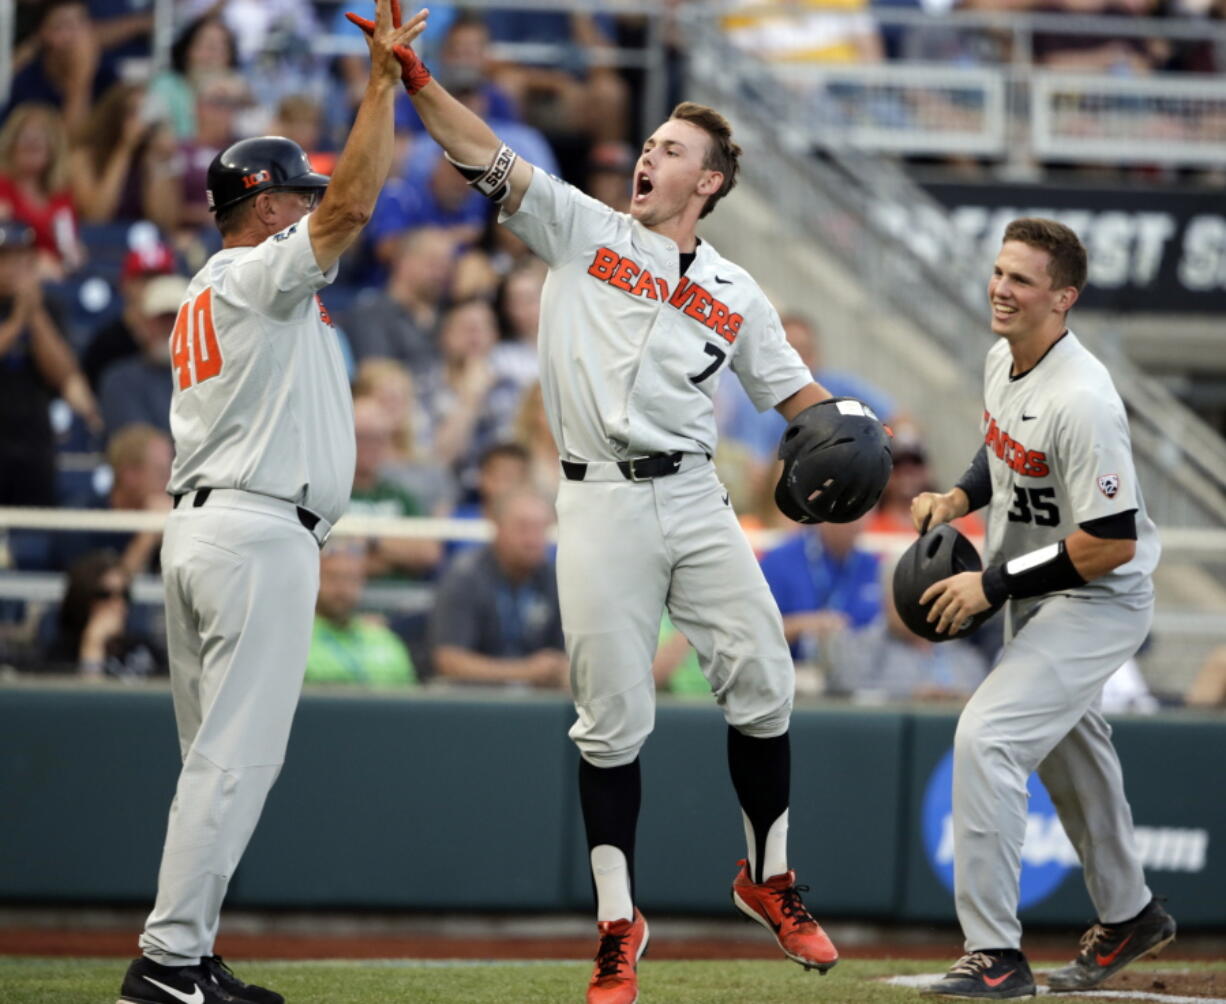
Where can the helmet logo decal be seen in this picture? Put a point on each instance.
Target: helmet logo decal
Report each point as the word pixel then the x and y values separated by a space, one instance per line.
pixel 251 180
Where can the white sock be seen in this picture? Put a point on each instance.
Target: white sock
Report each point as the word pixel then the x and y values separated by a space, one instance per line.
pixel 775 856
pixel 612 877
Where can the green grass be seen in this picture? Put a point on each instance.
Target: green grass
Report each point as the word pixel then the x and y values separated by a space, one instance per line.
pixel 853 981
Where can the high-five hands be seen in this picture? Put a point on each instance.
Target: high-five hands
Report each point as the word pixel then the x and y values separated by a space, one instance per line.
pixel 387 29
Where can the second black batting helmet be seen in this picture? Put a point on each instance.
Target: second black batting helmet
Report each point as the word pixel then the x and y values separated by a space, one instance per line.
pixel 255 165
pixel 839 449
pixel 938 554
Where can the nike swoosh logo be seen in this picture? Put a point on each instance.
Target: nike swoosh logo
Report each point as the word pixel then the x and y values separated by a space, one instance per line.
pixel 725 498
pixel 995 981
pixel 1106 960
pixel 1029 418
pixel 726 282
pixel 197 997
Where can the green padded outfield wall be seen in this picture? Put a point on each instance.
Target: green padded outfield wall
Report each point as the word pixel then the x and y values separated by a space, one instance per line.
pixel 421 802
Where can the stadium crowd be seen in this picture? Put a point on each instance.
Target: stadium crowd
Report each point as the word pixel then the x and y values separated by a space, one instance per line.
pixel 103 217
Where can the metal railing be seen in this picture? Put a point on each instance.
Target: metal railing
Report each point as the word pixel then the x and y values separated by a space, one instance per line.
pixel 902 246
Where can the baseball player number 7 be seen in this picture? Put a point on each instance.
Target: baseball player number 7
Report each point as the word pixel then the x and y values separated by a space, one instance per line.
pixel 194 351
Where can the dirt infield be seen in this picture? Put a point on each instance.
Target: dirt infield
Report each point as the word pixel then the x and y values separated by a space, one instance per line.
pixel 1172 982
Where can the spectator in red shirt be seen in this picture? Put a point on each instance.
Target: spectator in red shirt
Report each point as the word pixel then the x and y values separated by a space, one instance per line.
pixel 34 186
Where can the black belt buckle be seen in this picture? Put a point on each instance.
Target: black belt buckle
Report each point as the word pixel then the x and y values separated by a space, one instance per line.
pixel 656 466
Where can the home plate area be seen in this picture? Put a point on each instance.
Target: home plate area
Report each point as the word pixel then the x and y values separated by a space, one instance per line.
pixel 1165 986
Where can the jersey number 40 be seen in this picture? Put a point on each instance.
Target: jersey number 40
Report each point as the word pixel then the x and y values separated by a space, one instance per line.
pixel 194 351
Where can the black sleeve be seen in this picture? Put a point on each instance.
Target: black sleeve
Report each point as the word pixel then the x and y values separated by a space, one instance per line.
pixel 976 481
pixel 1117 526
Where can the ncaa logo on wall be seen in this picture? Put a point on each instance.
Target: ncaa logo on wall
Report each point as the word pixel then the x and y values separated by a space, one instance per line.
pixel 1047 854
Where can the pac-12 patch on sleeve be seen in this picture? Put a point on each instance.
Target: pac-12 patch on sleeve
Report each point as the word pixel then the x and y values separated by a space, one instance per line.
pixel 1109 484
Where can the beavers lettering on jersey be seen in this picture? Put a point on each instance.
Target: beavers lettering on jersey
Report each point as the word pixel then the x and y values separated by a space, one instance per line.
pixel 689 297
pixel 1028 463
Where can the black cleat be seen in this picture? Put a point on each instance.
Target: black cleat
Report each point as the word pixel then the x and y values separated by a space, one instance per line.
pixel 1108 948
pixel 224 977
pixel 990 975
pixel 147 982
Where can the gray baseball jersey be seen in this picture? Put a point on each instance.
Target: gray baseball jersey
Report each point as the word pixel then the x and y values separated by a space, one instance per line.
pixel 1060 455
pixel 261 417
pixel 261 397
pixel 631 351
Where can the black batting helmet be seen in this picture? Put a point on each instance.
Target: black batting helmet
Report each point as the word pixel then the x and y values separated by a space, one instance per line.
pixel 837 448
pixel 937 555
pixel 255 165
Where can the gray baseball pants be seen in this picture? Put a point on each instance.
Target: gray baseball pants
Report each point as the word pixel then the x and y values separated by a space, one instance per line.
pixel 1038 709
pixel 241 577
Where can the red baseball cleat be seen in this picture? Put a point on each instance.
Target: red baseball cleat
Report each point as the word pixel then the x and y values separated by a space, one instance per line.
pixel 776 904
pixel 615 979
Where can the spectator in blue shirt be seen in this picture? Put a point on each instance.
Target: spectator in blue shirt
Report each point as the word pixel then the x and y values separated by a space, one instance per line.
pixel 739 420
pixel 138 388
pixel 820 575
pixel 69 70
pixel 431 192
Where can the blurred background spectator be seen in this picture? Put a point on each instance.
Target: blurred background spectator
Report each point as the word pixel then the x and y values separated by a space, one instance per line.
pixel 375 494
pixel 1208 689
pixel 882 660
pixel 822 578
pixel 348 647
pixel 204 48
pixel 34 186
pixel 123 166
pixel 35 365
pixel 610 173
pixel 400 321
pixel 120 337
pixel 468 404
pixel 138 460
pixel 518 306
pixel 138 388
pixel 532 432
pixel 68 69
pixel 97 635
pixel 496 618
pixel 409 463
pixel 739 420
pixel 910 476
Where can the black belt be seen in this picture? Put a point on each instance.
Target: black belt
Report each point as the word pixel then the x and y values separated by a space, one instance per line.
pixel 305 516
pixel 658 465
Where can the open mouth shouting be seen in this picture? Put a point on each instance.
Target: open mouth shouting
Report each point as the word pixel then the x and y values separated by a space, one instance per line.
pixel 642 186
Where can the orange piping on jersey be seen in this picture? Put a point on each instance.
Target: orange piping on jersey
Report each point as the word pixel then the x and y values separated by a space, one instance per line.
pixel 1028 463
pixel 323 312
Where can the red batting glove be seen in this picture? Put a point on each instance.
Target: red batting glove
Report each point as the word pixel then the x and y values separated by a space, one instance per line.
pixel 413 72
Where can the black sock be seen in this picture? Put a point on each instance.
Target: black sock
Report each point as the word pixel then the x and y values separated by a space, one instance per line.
pixel 761 774
pixel 610 797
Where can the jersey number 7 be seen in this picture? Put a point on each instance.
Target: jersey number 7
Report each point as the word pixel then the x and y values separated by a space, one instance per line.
pixel 194 351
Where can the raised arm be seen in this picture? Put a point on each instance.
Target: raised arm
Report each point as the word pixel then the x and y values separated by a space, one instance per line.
pixel 470 144
pixel 364 163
